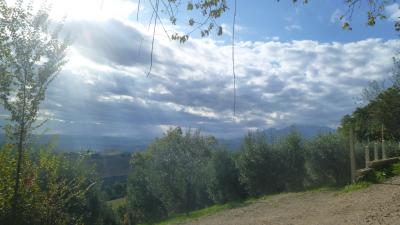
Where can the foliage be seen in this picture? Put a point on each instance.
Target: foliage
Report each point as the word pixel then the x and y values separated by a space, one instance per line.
pixel 355 187
pixel 224 185
pixel 328 160
pixel 381 112
pixel 375 11
pixel 181 218
pixel 143 205
pixel 180 175
pixel 396 169
pixel 117 203
pixel 270 168
pixel 114 187
pixel 55 189
pixel 31 55
pixel 203 14
pixel 170 177
pixel 258 164
pixel 367 121
pixel 291 151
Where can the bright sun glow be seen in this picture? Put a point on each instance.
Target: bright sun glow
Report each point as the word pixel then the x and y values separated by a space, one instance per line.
pixel 92 9
pixel 88 9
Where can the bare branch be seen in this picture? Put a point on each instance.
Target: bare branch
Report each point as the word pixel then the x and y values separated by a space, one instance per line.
pixel 152 42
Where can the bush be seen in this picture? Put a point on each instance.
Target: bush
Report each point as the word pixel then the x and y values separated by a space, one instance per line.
pixel 328 160
pixel 259 165
pixel 224 185
pixel 170 177
pixel 55 189
pixel 291 152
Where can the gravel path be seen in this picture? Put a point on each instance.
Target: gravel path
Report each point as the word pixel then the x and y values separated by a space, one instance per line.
pixel 377 204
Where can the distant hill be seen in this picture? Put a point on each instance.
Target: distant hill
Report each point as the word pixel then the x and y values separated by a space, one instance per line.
pixel 111 164
pixel 125 144
pixel 74 143
pixel 307 131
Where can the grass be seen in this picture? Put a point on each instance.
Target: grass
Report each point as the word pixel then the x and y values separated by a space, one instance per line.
pixel 396 169
pixel 355 187
pixel 378 177
pixel 181 218
pixel 204 212
pixel 177 219
pixel 322 189
pixel 212 210
pixel 116 203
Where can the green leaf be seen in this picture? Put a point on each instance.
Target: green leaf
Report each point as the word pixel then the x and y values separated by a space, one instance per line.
pixel 190 6
pixel 191 22
pixel 219 30
pixel 346 26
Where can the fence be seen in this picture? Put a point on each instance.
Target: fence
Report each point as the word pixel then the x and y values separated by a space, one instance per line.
pixel 384 153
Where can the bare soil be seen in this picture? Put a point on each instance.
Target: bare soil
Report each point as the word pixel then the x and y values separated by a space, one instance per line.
pixel 377 204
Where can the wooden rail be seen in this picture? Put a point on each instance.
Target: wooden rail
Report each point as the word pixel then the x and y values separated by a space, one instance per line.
pixel 378 164
pixel 370 165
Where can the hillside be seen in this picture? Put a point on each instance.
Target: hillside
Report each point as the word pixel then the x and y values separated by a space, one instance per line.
pixel 377 204
pixel 111 165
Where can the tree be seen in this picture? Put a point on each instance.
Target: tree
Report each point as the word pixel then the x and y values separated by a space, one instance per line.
pixel 224 185
pixel 386 109
pixel 178 161
pixel 143 204
pixel 327 158
pixel 291 153
pixel 31 55
pixel 372 91
pixel 55 189
pixel 259 165
pixel 170 177
pixel 396 73
pixel 207 12
pixel 375 11
pixel 367 121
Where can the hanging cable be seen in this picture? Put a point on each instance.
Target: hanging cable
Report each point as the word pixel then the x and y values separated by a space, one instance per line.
pixel 233 60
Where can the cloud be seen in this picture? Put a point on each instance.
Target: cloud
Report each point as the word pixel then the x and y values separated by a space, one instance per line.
pixel 293 27
pixel 227 29
pixel 103 90
pixel 109 41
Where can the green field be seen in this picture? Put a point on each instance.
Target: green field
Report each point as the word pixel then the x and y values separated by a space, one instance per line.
pixel 116 203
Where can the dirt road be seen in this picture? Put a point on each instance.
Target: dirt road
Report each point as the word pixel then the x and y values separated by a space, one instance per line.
pixel 377 204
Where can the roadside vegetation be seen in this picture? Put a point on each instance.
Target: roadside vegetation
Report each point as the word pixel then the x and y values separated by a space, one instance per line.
pixel 393 170
pixel 185 172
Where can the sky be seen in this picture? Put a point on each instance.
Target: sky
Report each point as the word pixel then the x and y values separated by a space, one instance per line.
pixel 294 65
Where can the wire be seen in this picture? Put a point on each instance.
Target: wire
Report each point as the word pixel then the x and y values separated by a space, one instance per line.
pixel 233 60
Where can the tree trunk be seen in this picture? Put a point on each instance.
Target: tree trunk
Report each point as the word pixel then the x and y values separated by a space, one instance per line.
pixel 20 144
pixel 18 175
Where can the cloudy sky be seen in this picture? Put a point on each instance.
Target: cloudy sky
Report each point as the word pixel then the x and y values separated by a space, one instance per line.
pixel 294 65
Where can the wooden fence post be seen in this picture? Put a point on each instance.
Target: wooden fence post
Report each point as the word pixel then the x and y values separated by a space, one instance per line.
pixel 352 157
pixel 376 153
pixel 383 146
pixel 366 156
